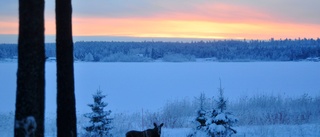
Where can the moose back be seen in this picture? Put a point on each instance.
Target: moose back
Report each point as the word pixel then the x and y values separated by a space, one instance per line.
pixel 155 132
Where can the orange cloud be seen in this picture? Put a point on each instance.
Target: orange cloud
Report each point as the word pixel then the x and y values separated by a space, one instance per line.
pixel 209 20
pixel 204 21
pixel 170 27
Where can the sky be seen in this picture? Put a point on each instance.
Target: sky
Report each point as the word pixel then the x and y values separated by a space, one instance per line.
pixel 202 19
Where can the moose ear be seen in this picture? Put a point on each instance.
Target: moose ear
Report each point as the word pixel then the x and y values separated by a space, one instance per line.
pixel 161 124
pixel 154 124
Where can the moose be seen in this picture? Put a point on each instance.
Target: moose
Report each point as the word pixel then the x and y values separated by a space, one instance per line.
pixel 155 132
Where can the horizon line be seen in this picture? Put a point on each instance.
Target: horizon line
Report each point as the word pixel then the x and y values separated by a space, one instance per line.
pixel 50 38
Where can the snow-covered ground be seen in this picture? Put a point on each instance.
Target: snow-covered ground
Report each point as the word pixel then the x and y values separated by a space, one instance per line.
pixel 304 130
pixel 136 86
pixel 309 130
pixel 133 87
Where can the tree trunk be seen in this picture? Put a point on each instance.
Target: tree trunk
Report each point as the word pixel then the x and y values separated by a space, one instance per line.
pixel 66 111
pixel 29 113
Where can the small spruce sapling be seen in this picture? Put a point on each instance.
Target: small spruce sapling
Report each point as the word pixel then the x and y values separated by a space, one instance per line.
pixel 201 128
pixel 201 112
pixel 220 122
pixel 100 121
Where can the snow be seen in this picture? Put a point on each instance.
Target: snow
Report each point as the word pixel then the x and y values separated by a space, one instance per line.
pixel 221 117
pixel 131 87
pixel 135 86
pixel 219 128
pixel 29 125
pixel 180 132
pixel 98 124
pixel 305 130
pixel 232 118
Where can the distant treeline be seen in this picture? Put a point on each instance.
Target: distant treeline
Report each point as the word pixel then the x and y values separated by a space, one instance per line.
pixel 217 50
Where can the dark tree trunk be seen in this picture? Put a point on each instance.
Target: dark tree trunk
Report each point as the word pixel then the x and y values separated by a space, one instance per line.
pixel 29 114
pixel 66 111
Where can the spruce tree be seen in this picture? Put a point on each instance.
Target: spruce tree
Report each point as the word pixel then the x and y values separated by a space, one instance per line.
pixel 220 122
pixel 100 121
pixel 202 116
pixel 201 112
pixel 216 122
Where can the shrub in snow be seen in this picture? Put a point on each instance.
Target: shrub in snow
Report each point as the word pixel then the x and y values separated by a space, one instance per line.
pixel 216 122
pixel 175 114
pixel 100 121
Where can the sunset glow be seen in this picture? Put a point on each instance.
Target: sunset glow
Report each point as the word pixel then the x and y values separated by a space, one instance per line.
pixel 191 29
pixel 204 19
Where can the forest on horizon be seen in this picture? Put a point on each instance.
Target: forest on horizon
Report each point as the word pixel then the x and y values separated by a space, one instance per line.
pixel 216 50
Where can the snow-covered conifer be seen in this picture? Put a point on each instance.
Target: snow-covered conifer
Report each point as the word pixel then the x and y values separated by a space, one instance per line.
pixel 88 57
pixel 220 122
pixel 100 121
pixel 201 118
pixel 216 122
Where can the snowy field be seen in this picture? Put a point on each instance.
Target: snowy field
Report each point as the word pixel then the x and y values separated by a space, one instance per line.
pixel 136 86
pixel 304 130
pixel 133 87
pixel 259 131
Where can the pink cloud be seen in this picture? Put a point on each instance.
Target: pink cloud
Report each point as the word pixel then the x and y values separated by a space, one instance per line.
pixel 206 19
pixel 8 27
pixel 219 12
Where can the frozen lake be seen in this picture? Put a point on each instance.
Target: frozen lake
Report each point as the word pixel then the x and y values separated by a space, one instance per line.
pixel 135 86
